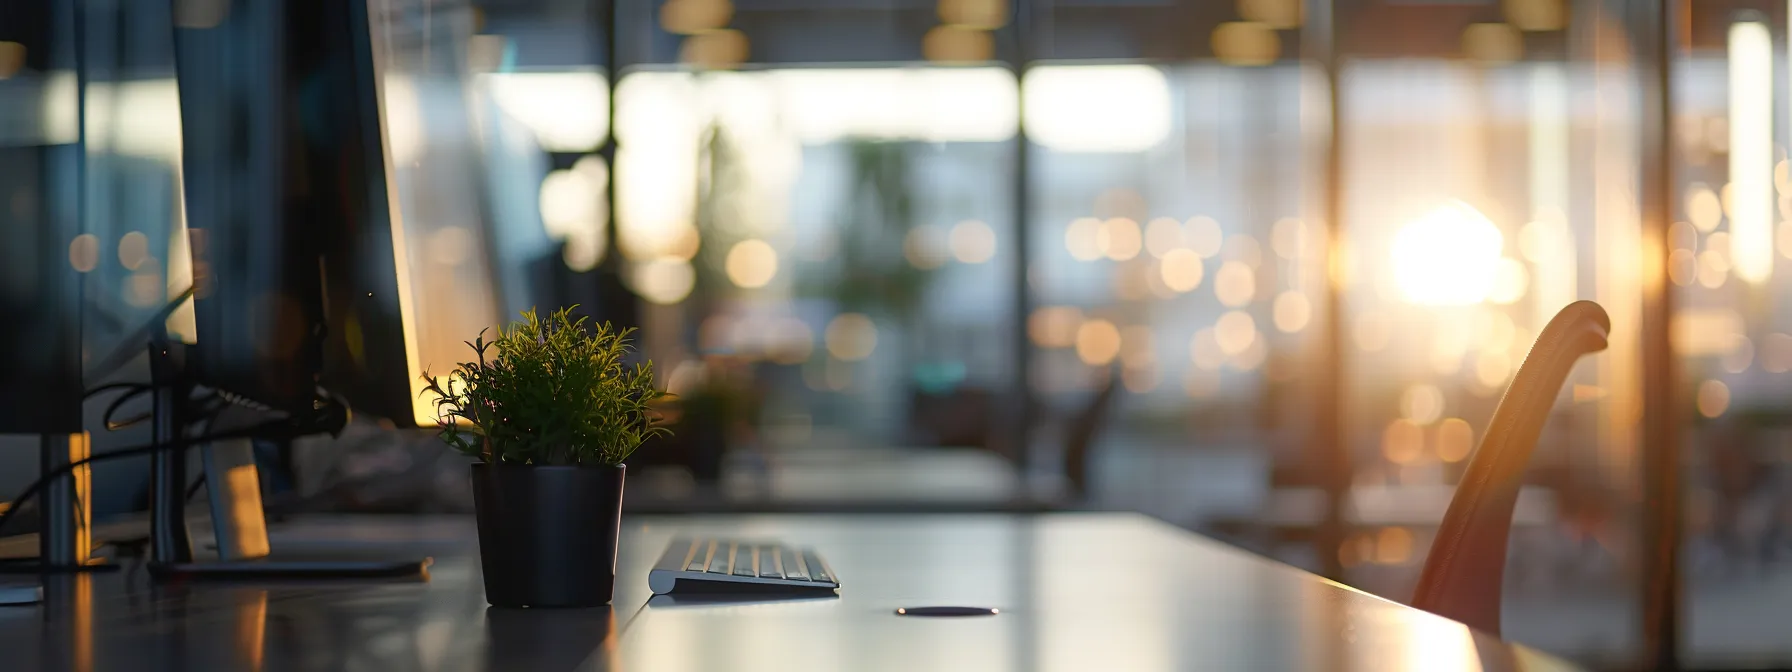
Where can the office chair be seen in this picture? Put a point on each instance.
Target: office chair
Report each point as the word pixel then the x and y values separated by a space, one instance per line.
pixel 1080 434
pixel 1464 572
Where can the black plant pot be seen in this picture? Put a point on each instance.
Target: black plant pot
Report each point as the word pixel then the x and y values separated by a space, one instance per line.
pixel 547 535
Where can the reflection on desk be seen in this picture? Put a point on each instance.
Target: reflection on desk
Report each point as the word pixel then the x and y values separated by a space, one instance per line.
pixel 1076 592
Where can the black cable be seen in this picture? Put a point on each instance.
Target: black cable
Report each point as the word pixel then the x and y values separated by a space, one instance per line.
pixel 106 417
pixel 193 489
pixel 113 426
pixel 280 426
pixel 113 386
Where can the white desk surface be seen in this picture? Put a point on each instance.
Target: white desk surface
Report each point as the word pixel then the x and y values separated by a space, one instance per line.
pixel 1076 592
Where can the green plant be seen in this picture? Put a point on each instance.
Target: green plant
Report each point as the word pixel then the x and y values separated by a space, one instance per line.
pixel 548 392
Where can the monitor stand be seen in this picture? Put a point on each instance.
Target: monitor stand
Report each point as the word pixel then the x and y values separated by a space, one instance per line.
pixel 65 526
pixel 234 484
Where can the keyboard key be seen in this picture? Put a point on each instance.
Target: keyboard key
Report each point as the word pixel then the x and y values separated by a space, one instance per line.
pixel 701 559
pixel 744 562
pixel 719 563
pixel 793 566
pixel 817 571
pixel 690 554
pixel 769 567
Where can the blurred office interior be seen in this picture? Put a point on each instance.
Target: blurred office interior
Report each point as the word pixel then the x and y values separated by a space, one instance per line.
pixel 1260 269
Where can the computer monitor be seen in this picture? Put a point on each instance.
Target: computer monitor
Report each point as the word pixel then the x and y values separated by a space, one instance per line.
pixel 42 254
pixel 333 201
pixel 335 221
pixel 408 272
pixel 258 302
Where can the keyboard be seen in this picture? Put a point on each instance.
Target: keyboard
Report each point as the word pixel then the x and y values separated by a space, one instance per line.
pixel 732 565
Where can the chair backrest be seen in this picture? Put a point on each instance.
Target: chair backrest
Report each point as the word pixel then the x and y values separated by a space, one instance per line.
pixel 1080 434
pixel 1464 572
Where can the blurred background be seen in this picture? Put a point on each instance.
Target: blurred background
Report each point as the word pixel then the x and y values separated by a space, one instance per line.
pixel 1260 269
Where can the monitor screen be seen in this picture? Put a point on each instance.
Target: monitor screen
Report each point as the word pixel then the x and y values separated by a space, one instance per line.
pixel 438 181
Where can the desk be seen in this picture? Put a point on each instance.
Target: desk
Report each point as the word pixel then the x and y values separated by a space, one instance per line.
pixel 1077 592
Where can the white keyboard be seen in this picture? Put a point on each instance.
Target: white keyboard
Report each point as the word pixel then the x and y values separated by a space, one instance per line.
pixel 728 565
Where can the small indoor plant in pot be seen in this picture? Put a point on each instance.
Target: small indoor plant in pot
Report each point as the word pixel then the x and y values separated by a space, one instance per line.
pixel 550 410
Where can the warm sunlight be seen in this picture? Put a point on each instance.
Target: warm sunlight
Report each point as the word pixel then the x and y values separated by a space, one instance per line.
pixel 1450 256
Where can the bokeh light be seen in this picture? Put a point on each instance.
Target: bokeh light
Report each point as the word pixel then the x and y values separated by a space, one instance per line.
pixel 664 281
pixel 690 17
pixel 979 14
pixel 12 58
pixel 715 49
pixel 1492 368
pixel 145 287
pixel 1714 269
pixel 1402 442
pixel 972 242
pixel 1246 43
pixel 1235 331
pixel 1713 398
pixel 1083 238
pixel 1492 43
pixel 1289 238
pixel 1683 267
pixel 925 247
pixel 1741 354
pixel 1235 284
pixel 1119 238
pixel 1203 235
pixel 1681 236
pixel 1776 353
pixel 1054 326
pixel 84 252
pixel 751 263
pixel 1182 270
pixel 1292 311
pixel 1097 108
pixel 1422 403
pixel 1163 236
pixel 1393 546
pixel 957 44
pixel 133 248
pixel 851 337
pixel 1277 14
pixel 1252 356
pixel 566 111
pixel 1510 281
pixel 1455 440
pixel 1450 256
pixel 1703 207
pixel 1097 342
pixel 1536 15
pixel 570 203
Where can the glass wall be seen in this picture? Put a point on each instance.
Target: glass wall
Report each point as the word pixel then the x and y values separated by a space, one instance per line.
pixel 1729 239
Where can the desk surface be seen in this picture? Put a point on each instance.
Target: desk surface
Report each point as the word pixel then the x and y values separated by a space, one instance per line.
pixel 1076 592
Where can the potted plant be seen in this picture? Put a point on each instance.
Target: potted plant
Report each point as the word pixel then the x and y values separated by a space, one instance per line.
pixel 551 411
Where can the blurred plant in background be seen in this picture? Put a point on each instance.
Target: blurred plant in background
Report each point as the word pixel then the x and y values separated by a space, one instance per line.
pixel 880 210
